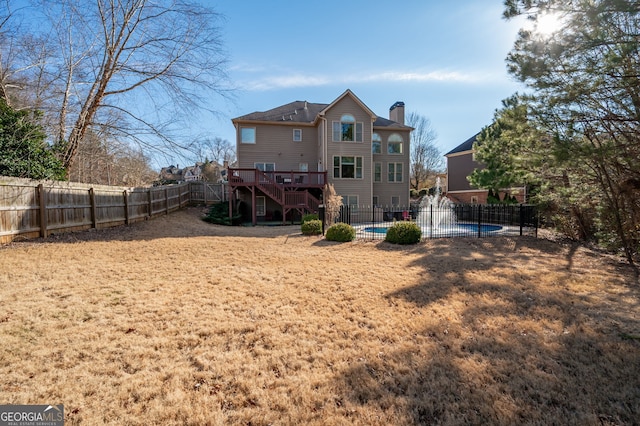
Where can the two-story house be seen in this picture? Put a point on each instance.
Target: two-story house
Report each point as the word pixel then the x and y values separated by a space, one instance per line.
pixel 461 163
pixel 287 155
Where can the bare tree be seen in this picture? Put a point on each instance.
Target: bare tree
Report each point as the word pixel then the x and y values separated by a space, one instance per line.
pixel 217 149
pixel 146 63
pixel 106 161
pixel 426 159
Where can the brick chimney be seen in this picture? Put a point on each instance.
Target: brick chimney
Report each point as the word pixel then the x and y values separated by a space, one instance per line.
pixel 396 112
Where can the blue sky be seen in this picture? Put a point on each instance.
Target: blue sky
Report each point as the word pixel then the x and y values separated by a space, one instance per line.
pixel 445 60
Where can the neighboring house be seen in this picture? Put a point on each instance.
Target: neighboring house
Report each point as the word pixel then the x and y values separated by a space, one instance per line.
pixel 460 164
pixel 171 174
pixel 287 154
pixel 174 174
pixel 192 173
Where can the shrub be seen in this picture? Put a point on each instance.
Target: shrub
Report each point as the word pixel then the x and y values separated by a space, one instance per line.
pixel 341 232
pixel 219 214
pixel 403 233
pixel 311 227
pixel 310 216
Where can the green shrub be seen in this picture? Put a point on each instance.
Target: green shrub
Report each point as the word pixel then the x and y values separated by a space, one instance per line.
pixel 403 233
pixel 341 232
pixel 311 227
pixel 310 216
pixel 219 214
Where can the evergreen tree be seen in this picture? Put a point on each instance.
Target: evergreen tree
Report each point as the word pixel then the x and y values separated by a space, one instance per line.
pixel 23 149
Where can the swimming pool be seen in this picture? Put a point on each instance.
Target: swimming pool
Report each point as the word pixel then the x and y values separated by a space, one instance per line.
pixel 460 229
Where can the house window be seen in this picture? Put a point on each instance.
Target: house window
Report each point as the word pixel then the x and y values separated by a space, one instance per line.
pixel 395 172
pixel 297 135
pixel 394 144
pixel 265 167
pixel 395 201
pixel 376 144
pixel 248 135
pixel 347 167
pixel 350 200
pixel 347 130
pixel 375 201
pixel 474 199
pixel 303 167
pixel 261 205
pixel 377 172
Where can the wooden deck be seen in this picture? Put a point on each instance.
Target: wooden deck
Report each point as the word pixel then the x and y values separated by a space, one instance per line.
pixel 288 188
pixel 285 179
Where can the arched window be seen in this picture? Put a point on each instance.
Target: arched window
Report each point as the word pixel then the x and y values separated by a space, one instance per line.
pixel 394 144
pixel 347 129
pixel 376 144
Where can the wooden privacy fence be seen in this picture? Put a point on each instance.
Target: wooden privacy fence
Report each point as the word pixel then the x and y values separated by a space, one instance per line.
pixel 30 209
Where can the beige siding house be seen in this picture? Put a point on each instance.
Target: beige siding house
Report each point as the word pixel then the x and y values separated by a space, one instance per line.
pixel 460 164
pixel 287 154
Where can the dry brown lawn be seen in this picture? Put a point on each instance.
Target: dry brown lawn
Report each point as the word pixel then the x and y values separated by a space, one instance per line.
pixel 176 321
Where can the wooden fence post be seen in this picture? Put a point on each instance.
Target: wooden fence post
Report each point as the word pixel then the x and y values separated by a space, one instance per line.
pixel 94 218
pixel 166 200
pixel 126 207
pixel 42 198
pixel 204 192
pixel 150 203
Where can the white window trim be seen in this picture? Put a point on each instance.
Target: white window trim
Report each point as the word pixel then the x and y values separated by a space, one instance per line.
pixel 254 135
pixel 374 172
pixel 401 142
pixel 355 131
pixel 355 167
pixel 300 135
pixel 255 166
pixel 395 172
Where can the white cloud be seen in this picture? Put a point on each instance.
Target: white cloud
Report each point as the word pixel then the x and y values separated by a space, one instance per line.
pixel 293 80
pixel 430 76
pixel 286 81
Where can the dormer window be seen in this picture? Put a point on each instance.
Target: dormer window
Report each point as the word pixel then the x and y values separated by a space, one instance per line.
pixel 347 129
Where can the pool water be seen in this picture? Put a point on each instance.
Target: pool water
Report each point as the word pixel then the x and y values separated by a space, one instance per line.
pixel 461 228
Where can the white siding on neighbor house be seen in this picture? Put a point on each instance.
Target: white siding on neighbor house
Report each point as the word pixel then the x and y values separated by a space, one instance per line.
pixel 274 144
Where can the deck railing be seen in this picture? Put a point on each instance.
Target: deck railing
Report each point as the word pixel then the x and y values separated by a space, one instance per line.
pixel 246 177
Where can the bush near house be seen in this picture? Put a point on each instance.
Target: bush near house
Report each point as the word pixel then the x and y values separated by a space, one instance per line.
pixel 341 232
pixel 311 227
pixel 309 216
pixel 403 233
pixel 219 214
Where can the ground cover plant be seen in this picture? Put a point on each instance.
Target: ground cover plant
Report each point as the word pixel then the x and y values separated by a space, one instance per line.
pixel 178 321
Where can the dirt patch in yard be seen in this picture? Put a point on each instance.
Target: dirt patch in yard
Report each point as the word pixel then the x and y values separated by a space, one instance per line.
pixel 176 321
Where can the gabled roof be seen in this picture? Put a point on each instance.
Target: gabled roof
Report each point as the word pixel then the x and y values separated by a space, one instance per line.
pixel 297 112
pixel 464 146
pixel 304 112
pixel 349 93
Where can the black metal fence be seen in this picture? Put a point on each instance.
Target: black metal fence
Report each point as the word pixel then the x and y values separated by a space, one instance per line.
pixel 453 220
